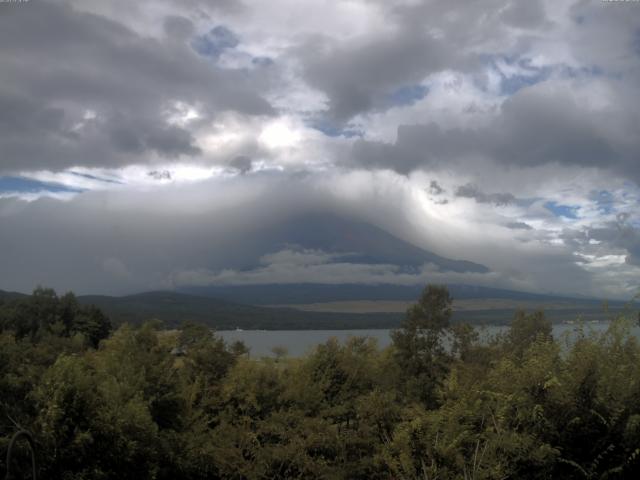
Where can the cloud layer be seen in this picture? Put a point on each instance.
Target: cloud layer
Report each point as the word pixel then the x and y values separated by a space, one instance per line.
pixel 154 144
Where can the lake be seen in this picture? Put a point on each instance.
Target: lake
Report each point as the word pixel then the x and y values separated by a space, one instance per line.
pixel 300 342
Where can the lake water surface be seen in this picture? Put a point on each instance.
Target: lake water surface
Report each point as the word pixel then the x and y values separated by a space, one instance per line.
pixel 300 342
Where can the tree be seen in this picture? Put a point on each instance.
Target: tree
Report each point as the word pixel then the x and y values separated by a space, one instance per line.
pixel 527 329
pixel 44 313
pixel 418 343
pixel 92 323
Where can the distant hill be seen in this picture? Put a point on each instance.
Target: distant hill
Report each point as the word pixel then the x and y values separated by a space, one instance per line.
pixel 174 308
pixel 557 308
pixel 305 293
pixel 10 295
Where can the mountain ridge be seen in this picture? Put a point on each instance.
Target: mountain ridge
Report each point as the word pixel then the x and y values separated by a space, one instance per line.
pixel 173 308
pixel 303 293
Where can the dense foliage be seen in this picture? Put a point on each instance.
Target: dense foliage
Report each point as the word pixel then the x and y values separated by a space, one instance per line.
pixel 438 404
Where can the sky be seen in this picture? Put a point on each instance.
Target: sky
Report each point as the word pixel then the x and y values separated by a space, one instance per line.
pixel 150 144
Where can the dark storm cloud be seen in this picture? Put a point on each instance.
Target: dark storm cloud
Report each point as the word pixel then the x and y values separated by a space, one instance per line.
pixel 620 234
pixel 472 191
pixel 417 146
pixel 530 14
pixel 160 174
pixel 543 125
pixel 215 6
pixel 58 63
pixel 135 136
pixel 462 24
pixel 519 226
pixel 178 28
pixel 557 115
pixel 359 75
pixel 241 163
pixel 20 114
pixel 435 188
pixel 539 125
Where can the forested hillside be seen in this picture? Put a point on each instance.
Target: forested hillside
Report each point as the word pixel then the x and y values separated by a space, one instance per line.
pixel 142 402
pixel 174 308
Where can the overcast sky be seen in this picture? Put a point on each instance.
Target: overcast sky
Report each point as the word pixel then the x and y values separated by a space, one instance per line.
pixel 139 140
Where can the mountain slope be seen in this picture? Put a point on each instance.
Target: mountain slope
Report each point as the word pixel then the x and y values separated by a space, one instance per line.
pixel 365 243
